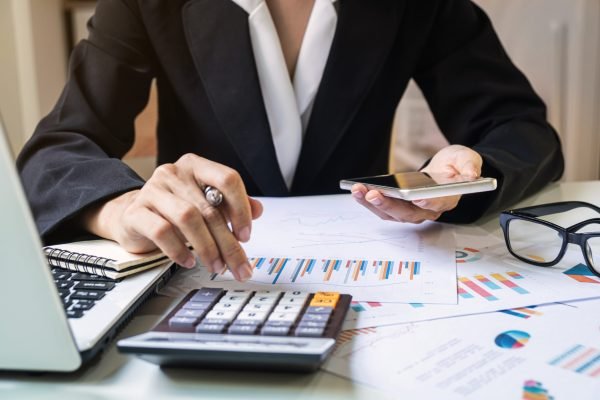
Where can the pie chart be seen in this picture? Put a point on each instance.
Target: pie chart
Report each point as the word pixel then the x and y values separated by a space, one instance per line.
pixel 512 339
pixel 467 255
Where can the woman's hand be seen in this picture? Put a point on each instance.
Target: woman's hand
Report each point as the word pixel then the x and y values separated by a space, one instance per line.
pixel 170 210
pixel 451 161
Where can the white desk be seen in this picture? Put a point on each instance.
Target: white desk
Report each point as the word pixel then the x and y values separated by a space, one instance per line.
pixel 116 376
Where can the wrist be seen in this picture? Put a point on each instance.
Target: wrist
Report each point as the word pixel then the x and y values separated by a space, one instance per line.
pixel 102 219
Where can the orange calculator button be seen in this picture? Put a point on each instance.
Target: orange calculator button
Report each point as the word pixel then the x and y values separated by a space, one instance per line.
pixel 325 299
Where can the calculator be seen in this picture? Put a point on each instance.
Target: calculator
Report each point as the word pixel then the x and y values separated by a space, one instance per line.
pixel 243 329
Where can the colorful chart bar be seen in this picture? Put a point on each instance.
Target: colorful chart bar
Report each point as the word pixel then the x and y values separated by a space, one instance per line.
pixel 525 312
pixel 580 359
pixel 257 263
pixel 360 306
pixel 329 267
pixel 386 270
pixel 487 282
pixel 477 289
pixel 509 284
pixel 334 270
pixel 515 275
pixel 581 273
pixel 464 294
pixel 359 267
pixel 515 314
pixel 299 267
pixel 279 267
pixel 533 390
pixel 357 307
pixel 348 335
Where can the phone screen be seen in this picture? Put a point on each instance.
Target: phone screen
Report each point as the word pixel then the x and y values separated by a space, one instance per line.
pixel 412 180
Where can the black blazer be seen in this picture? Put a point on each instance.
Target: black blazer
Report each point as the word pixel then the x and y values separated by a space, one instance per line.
pixel 210 102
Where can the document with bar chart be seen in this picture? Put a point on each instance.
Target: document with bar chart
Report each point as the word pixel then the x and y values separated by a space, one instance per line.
pixel 373 279
pixel 331 243
pixel 552 354
pixel 488 280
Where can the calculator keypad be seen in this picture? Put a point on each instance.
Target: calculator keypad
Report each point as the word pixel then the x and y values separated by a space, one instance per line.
pixel 265 313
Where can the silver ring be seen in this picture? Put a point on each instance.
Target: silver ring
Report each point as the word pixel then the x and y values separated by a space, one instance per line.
pixel 213 196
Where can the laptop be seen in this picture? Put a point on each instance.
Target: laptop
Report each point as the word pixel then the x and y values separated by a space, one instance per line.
pixel 37 334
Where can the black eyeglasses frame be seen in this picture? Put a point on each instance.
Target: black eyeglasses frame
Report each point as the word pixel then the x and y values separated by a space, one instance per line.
pixel 569 235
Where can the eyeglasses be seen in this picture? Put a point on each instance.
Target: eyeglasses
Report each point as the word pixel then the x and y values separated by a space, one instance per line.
pixel 544 243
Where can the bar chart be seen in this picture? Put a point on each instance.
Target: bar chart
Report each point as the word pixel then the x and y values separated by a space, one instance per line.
pixel 579 359
pixel 490 286
pixel 365 279
pixel 348 335
pixel 523 312
pixel 362 306
pixel 496 286
pixel 334 270
pixel 349 271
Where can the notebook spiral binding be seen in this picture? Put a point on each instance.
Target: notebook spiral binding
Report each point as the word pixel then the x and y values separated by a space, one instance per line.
pixel 78 262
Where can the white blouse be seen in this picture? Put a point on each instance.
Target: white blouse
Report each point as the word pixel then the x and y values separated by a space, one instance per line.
pixel 289 104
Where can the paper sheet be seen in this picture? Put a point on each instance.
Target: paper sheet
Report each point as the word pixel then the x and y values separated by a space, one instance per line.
pixel 330 243
pixel 536 353
pixel 490 279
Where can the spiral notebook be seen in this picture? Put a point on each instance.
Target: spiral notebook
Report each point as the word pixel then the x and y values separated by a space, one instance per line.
pixel 101 257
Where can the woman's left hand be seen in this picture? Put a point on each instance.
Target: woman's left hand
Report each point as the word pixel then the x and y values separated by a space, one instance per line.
pixel 451 161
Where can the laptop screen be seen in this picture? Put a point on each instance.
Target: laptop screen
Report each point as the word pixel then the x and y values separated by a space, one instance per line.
pixel 35 334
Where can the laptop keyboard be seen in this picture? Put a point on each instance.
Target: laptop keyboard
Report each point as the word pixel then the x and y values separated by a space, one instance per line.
pixel 80 292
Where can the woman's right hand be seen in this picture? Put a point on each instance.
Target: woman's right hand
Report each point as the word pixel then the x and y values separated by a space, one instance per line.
pixel 170 210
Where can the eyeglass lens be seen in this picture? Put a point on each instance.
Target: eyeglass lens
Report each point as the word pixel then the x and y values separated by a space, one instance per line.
pixel 533 241
pixel 592 248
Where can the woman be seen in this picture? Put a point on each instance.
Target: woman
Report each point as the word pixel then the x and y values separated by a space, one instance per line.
pixel 276 98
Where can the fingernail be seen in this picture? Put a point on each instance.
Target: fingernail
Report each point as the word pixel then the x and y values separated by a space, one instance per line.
pixel 376 201
pixel 218 266
pixel 190 262
pixel 244 272
pixel 244 234
pixel 358 194
pixel 420 203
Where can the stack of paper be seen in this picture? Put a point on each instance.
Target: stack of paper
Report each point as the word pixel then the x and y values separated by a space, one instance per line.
pixel 410 283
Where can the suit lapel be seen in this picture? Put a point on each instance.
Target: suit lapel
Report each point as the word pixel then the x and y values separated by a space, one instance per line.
pixel 364 35
pixel 218 37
